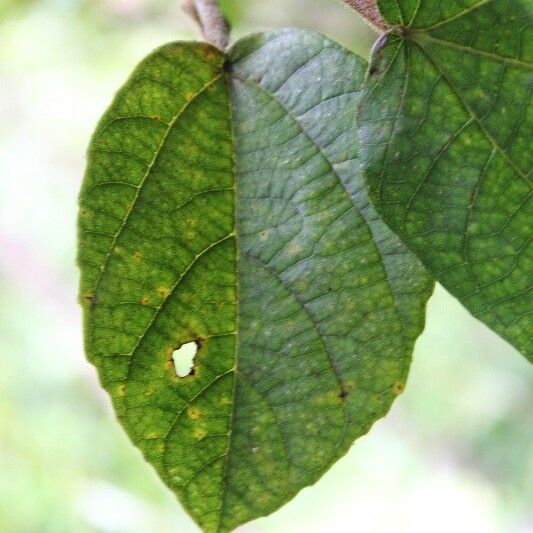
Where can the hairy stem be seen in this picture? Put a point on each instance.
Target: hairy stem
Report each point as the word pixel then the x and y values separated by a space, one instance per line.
pixel 368 9
pixel 209 17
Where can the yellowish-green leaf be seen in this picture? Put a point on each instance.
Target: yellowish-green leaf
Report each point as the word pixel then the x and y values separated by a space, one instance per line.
pixel 224 217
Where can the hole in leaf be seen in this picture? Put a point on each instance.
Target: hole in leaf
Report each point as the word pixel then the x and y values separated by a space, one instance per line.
pixel 183 359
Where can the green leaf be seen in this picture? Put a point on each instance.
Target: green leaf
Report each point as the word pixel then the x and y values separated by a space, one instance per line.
pixel 223 211
pixel 446 126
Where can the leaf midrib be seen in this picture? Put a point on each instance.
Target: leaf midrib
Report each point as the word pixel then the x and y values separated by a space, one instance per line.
pixel 225 470
pixel 336 373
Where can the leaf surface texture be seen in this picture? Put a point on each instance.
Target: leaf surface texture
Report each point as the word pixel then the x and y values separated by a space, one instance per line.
pixel 446 122
pixel 224 205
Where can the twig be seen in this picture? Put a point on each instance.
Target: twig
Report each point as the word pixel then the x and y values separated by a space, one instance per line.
pixel 209 17
pixel 370 12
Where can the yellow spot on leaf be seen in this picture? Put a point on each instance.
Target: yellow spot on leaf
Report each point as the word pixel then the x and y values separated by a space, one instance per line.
pixel 163 291
pixel 199 433
pixel 194 413
pixel 225 400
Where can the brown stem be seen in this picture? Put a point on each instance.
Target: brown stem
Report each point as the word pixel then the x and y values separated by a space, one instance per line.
pixel 209 17
pixel 368 9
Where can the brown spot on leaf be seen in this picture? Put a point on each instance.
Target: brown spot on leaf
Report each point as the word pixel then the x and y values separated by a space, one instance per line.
pixel 208 51
pixel 88 299
pixel 345 391
pixel 398 388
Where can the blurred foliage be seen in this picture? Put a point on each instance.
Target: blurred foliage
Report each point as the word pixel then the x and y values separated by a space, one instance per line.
pixel 456 452
pixel 12 7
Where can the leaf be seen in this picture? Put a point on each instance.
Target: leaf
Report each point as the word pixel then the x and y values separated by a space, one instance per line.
pixel 446 126
pixel 223 207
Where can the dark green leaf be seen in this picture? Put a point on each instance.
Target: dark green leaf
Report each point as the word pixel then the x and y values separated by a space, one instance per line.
pixel 223 211
pixel 446 127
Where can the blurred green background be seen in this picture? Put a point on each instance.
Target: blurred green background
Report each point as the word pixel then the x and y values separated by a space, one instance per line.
pixel 454 455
